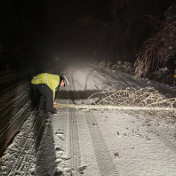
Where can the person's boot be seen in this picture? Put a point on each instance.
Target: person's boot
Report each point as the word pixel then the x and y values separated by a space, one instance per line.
pixel 54 112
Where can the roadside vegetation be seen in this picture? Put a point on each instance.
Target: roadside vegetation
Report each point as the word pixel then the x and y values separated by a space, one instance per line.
pixel 146 37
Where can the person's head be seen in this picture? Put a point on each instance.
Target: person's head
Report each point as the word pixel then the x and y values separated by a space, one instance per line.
pixel 62 81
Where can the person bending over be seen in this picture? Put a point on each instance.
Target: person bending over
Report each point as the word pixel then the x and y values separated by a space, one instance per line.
pixel 48 84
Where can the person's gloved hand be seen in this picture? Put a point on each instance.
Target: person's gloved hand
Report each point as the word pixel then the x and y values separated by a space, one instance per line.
pixel 54 104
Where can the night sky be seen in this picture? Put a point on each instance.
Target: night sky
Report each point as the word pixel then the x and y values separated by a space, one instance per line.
pixel 48 28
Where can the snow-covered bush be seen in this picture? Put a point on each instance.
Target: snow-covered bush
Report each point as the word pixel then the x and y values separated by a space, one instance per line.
pixel 160 47
pixel 119 62
pixel 108 64
pixel 126 67
pixel 163 75
pixel 102 64
pixel 114 67
pixel 117 65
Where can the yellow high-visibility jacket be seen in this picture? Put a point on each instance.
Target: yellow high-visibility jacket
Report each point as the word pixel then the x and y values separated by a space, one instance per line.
pixel 51 80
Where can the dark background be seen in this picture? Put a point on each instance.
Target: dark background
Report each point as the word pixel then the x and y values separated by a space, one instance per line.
pixel 37 30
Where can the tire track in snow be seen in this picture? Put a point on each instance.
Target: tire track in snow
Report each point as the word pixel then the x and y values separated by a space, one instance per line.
pixel 74 129
pixel 74 142
pixel 13 124
pixel 21 152
pixel 74 150
pixel 104 160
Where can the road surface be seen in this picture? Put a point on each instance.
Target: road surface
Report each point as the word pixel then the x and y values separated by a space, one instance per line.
pixel 90 142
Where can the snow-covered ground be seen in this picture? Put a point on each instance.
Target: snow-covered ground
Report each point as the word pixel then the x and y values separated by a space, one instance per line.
pixel 95 142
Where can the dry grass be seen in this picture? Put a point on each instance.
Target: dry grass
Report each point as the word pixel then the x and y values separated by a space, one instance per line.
pixel 147 96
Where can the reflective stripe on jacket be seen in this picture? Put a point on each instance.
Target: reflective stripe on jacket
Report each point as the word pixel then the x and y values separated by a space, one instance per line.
pixel 49 79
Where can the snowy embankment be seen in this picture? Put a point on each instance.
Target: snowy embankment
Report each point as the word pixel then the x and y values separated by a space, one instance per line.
pixel 100 142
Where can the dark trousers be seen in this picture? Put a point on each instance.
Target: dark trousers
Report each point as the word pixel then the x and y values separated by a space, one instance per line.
pixel 46 98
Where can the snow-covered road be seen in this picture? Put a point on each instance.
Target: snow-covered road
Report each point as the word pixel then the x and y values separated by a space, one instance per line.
pixel 94 142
